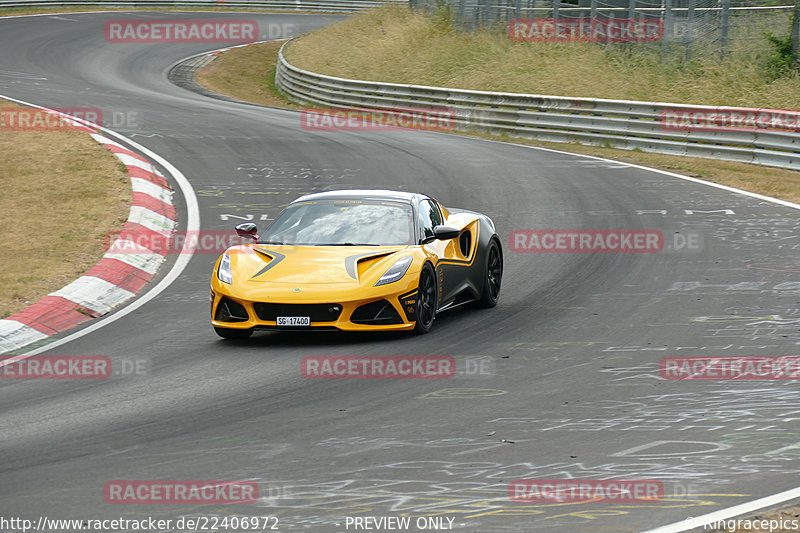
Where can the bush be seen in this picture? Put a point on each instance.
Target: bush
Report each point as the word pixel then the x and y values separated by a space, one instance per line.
pixel 779 62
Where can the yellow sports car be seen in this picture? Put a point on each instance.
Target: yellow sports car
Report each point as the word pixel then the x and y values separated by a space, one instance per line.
pixel 356 260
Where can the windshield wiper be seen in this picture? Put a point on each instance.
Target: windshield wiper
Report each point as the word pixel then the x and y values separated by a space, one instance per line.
pixel 349 244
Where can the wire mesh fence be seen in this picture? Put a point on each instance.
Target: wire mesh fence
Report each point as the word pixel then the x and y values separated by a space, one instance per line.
pixel 684 28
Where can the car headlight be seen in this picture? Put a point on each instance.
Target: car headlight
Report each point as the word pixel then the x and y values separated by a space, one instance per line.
pixel 224 270
pixel 396 271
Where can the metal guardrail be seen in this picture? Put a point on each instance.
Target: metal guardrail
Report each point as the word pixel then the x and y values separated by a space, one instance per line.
pixel 614 123
pixel 328 6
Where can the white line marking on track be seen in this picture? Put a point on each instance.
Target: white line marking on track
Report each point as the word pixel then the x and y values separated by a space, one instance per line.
pixel 778 201
pixel 694 522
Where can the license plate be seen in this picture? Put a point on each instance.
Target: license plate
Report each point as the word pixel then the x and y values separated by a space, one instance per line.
pixel 294 321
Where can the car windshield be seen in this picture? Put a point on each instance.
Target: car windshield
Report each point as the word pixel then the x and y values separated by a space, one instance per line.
pixel 349 222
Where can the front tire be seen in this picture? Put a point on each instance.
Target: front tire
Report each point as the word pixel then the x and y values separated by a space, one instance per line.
pixel 493 275
pixel 426 300
pixel 233 334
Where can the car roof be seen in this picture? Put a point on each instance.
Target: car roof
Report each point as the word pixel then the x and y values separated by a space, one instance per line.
pixel 362 194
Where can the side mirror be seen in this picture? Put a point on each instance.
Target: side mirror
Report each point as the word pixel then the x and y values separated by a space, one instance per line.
pixel 248 229
pixel 444 233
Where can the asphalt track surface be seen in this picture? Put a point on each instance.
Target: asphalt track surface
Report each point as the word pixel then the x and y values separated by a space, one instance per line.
pixel 570 388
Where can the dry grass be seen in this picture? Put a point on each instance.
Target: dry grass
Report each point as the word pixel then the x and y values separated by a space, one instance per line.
pixel 61 193
pixel 246 73
pixel 397 45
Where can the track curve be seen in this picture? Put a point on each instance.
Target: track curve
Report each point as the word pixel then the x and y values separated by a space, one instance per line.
pixel 575 341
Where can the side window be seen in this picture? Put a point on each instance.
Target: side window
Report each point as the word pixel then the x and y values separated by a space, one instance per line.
pixel 436 215
pixel 429 216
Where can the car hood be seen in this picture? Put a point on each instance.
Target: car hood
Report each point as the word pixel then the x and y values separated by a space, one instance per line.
pixel 309 265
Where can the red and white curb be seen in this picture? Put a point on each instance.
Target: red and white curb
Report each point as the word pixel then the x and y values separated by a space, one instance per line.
pixel 118 276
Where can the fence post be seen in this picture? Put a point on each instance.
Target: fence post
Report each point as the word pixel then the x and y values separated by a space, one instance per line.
pixel 593 13
pixel 631 9
pixel 723 30
pixel 460 14
pixel 556 8
pixel 690 28
pixel 796 34
pixel 667 22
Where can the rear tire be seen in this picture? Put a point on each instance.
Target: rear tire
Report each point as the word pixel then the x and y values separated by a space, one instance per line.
pixel 493 275
pixel 233 334
pixel 426 300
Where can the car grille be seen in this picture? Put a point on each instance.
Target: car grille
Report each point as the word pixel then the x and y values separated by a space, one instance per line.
pixel 376 313
pixel 316 312
pixel 230 311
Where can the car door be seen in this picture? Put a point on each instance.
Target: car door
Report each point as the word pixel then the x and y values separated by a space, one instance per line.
pixel 430 216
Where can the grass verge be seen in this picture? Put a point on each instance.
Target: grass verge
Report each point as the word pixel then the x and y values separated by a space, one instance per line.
pixel 62 193
pixel 398 45
pixel 246 73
